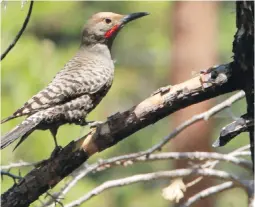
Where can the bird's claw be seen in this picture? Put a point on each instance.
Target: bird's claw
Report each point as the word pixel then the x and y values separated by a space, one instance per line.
pixel 162 90
pixel 56 151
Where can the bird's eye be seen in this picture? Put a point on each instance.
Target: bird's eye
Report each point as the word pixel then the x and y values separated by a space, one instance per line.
pixel 107 21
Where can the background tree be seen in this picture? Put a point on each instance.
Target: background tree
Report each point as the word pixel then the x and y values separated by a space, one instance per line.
pixel 194 35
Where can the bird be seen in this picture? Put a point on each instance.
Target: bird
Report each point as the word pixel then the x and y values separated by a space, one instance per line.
pixel 78 87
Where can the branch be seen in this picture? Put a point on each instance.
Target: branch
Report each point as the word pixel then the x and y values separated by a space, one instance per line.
pixel 208 192
pixel 206 115
pixel 119 126
pixel 126 160
pixel 198 156
pixel 211 164
pixel 17 165
pixel 129 159
pixel 203 116
pixel 20 32
pixel 157 175
pixel 11 175
pixel 143 156
pixel 242 124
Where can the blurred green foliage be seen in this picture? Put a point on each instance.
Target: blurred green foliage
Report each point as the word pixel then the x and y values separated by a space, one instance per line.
pixel 142 51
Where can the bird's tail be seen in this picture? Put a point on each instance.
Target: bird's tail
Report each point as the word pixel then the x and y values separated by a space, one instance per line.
pixel 18 113
pixel 22 130
pixel 8 119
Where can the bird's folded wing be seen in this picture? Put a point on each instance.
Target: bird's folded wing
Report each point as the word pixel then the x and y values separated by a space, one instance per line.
pixel 67 85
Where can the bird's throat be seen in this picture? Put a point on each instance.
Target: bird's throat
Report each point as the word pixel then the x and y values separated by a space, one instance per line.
pixel 111 32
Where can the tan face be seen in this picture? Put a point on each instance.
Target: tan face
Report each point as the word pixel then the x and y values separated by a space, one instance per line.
pixel 105 23
pixel 104 26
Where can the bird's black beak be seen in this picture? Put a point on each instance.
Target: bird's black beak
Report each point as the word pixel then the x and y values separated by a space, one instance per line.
pixel 133 16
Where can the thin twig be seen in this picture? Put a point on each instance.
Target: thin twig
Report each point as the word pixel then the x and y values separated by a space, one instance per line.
pixel 157 175
pixel 199 156
pixel 208 192
pixel 16 165
pixel 54 198
pixel 11 175
pixel 20 32
pixel 104 164
pixel 212 164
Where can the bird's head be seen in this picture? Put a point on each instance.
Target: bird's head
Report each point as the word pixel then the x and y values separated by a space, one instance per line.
pixel 104 26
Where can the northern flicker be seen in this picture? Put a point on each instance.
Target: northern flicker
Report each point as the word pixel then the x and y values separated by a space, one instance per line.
pixel 78 87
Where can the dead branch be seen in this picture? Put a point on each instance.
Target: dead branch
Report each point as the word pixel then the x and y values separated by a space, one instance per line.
pixel 203 116
pixel 212 164
pixel 242 124
pixel 120 161
pixel 208 192
pixel 11 175
pixel 17 165
pixel 198 156
pixel 158 175
pixel 20 32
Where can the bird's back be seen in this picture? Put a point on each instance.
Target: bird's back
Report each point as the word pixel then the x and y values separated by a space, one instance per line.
pixel 88 72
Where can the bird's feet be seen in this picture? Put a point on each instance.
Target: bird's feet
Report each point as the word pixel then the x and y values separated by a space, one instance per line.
pixel 56 151
pixel 162 90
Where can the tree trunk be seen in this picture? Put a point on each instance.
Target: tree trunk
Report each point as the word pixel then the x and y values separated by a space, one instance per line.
pixel 194 48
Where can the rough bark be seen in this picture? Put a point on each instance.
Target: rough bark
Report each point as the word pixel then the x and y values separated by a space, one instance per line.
pixel 243 49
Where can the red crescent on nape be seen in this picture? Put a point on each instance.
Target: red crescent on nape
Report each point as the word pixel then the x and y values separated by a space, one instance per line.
pixel 111 31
